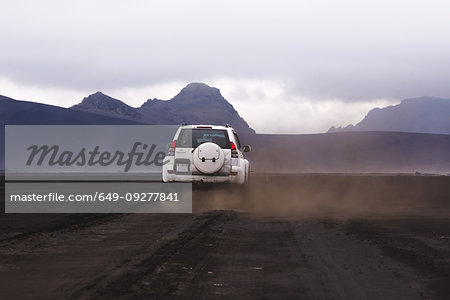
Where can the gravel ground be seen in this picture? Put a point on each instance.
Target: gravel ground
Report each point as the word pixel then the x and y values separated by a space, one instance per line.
pixel 281 237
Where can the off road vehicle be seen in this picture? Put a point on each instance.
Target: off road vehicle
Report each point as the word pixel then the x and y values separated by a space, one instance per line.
pixel 206 153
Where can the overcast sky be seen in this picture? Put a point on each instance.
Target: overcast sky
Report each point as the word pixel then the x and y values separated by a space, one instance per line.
pixel 286 66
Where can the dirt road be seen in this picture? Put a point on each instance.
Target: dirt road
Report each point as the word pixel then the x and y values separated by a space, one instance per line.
pixel 234 249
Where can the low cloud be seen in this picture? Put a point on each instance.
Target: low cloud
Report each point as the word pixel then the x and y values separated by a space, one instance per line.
pixel 351 50
pixel 49 95
pixel 270 106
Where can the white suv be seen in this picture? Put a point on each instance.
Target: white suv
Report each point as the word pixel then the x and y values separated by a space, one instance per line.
pixel 206 153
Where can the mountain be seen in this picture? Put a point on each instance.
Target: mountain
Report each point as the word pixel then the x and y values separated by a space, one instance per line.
pixel 102 104
pixel 16 112
pixel 422 115
pixel 197 103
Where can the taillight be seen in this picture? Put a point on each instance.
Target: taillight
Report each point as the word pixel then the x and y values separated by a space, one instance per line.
pixel 234 152
pixel 171 151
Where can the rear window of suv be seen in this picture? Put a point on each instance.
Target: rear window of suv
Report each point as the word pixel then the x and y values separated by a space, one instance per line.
pixel 200 136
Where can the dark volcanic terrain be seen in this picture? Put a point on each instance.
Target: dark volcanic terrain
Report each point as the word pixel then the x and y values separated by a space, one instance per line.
pixel 289 237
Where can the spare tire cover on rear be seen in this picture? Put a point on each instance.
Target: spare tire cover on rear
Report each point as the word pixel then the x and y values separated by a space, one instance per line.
pixel 208 158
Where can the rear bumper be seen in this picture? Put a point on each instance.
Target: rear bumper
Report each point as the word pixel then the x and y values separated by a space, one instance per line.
pixel 168 177
pixel 200 178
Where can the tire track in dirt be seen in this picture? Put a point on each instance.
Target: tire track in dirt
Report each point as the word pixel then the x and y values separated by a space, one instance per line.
pixel 171 268
pixel 56 264
pixel 297 259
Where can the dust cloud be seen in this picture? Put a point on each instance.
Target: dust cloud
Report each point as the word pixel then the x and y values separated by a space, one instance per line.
pixel 339 196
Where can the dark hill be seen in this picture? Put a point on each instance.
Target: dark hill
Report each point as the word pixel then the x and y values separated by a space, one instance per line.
pixel 100 103
pixel 423 115
pixel 197 103
pixel 15 112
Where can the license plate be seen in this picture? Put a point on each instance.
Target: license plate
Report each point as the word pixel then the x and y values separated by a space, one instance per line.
pixel 182 168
